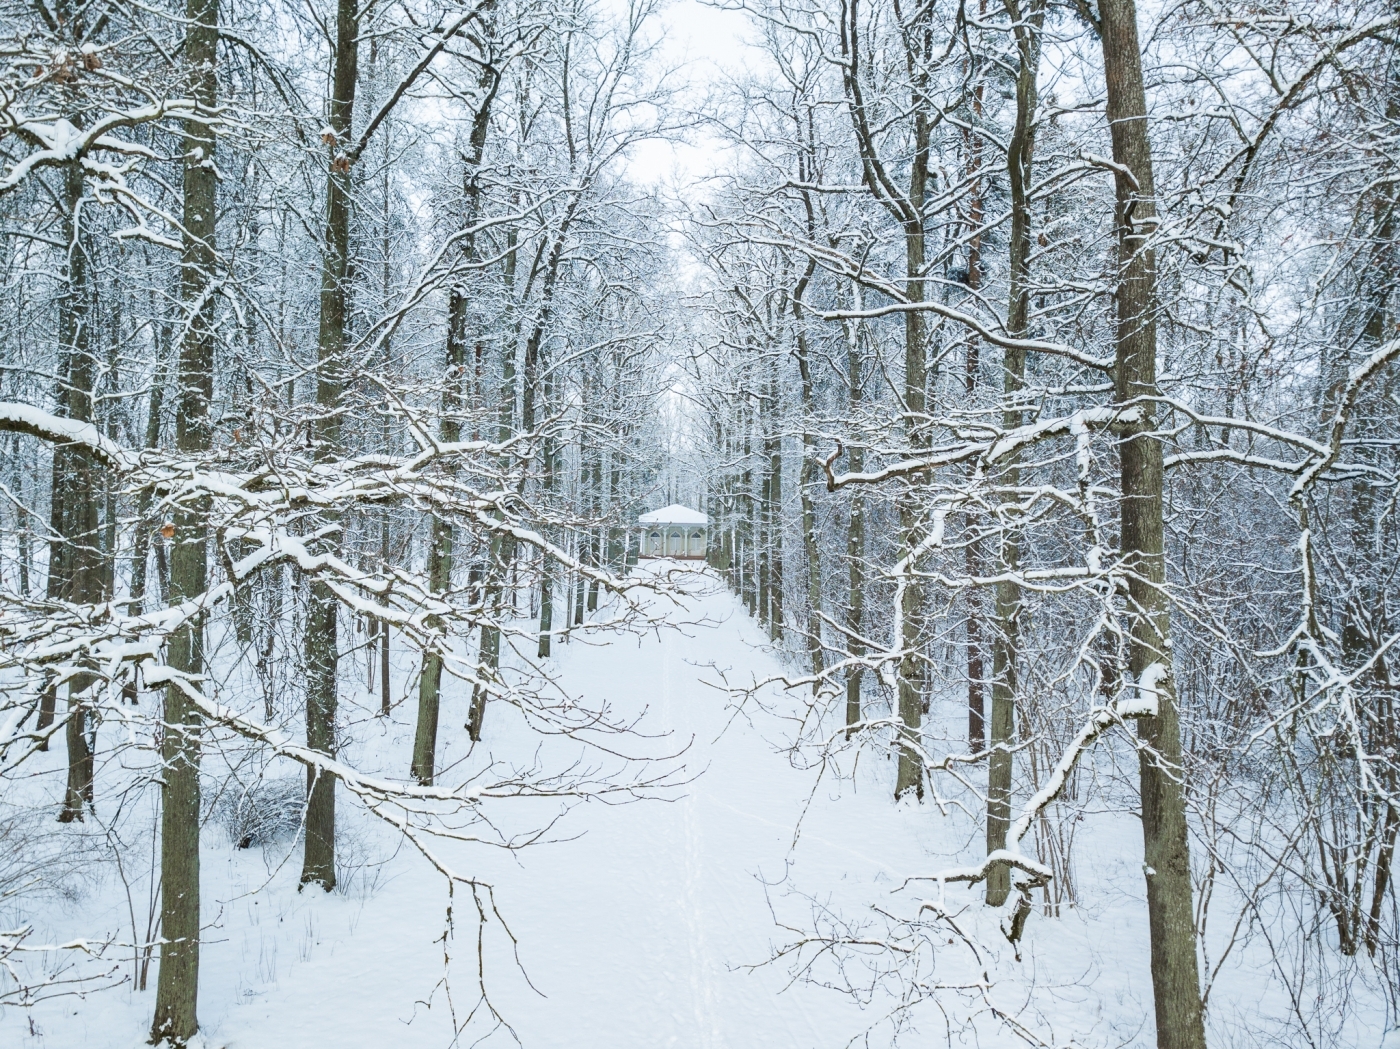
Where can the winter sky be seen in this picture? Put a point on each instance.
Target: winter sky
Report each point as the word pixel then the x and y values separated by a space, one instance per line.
pixel 706 44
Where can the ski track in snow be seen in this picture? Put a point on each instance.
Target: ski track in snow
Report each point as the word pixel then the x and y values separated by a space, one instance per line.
pixel 641 930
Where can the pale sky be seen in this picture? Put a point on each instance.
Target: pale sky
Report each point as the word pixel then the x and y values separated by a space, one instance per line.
pixel 707 43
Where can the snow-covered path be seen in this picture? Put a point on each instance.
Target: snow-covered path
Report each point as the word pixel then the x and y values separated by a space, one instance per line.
pixel 641 930
pixel 636 931
pixel 663 903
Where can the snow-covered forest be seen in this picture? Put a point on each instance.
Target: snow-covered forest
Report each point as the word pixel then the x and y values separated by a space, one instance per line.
pixel 1006 656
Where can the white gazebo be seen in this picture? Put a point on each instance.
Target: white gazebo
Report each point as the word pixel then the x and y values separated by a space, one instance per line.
pixel 673 531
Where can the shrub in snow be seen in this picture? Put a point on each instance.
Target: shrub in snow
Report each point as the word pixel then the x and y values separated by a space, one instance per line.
pixel 265 812
pixel 36 861
pixel 358 868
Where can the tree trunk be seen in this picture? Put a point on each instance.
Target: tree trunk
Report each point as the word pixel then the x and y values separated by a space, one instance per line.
pixel 1006 639
pixel 382 641
pixel 595 538
pixel 855 533
pixel 430 680
pixel 1372 841
pixel 177 987
pixel 501 556
pixel 537 384
pixel 580 595
pixel 909 775
pixel 907 208
pixel 749 589
pixel 546 603
pixel 773 512
pixel 81 577
pixel 976 684
pixel 322 664
pixel 321 652
pixel 1166 853
pixel 808 481
pixel 490 652
pixel 385 704
pixel 440 548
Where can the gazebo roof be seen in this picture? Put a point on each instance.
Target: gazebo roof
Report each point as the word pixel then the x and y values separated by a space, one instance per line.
pixel 674 514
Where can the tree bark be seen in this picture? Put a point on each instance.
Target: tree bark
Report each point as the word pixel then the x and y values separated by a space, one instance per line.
pixel 502 551
pixel 976 670
pixel 910 774
pixel 907 207
pixel 537 393
pixel 808 481
pixel 177 987
pixel 321 652
pixel 430 680
pixel 598 553
pixel 747 543
pixel 855 538
pixel 546 581
pixel 773 510
pixel 1020 159
pixel 1166 852
pixel 81 577
pixel 440 546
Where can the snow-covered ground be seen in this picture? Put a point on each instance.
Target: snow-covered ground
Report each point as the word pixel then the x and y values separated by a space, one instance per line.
pixel 641 926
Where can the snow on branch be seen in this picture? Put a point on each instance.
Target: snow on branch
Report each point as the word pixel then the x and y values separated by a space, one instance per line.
pixel 58 142
pixel 412 809
pixel 988 451
pixel 57 976
pixel 26 419
pixel 967 320
pixel 1141 701
pixel 1356 381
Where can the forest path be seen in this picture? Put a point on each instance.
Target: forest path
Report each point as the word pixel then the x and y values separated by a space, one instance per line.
pixel 636 933
pixel 652 917
pixel 637 929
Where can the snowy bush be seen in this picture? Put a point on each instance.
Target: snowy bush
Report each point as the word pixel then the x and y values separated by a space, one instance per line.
pixel 266 812
pixel 37 862
pixel 359 868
